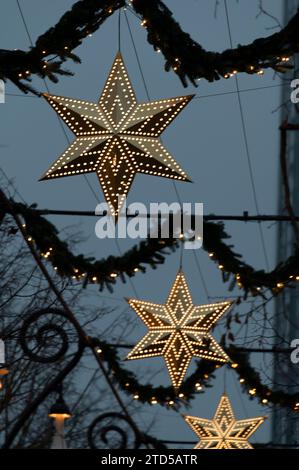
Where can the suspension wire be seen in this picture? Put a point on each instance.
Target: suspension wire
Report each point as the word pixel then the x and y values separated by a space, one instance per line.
pixel 10 183
pixel 149 99
pixel 119 30
pixel 245 90
pixel 68 140
pixel 202 279
pixel 86 340
pixel 24 23
pixel 137 57
pixel 207 218
pixel 83 393
pixel 224 379
pixel 246 143
pixel 181 257
pixel 59 296
pixel 48 90
pixel 196 97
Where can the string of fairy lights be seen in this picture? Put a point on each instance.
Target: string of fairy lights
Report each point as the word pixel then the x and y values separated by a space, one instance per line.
pixel 152 251
pixel 47 67
pixel 252 69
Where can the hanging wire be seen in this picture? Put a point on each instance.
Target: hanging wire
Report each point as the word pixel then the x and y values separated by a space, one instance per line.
pixel 24 23
pixel 68 140
pixel 248 156
pixel 149 99
pixel 224 378
pixel 202 279
pixel 196 97
pixel 64 304
pixel 137 57
pixel 10 183
pixel 119 30
pixel 181 256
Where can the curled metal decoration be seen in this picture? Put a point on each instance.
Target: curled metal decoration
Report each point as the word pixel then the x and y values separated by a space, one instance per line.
pixel 43 339
pixel 108 430
pixel 46 331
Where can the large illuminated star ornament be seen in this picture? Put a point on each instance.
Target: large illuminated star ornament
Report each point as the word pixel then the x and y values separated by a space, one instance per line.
pixel 224 431
pixel 179 330
pixel 117 137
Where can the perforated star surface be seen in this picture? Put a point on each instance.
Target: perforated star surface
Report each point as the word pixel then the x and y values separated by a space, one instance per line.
pixel 117 137
pixel 179 330
pixel 224 431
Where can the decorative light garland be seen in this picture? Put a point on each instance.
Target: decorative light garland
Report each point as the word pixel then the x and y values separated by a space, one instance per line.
pixel 189 60
pixel 147 393
pixel 103 272
pixel 183 55
pixel 196 382
pixel 81 21
pixel 151 252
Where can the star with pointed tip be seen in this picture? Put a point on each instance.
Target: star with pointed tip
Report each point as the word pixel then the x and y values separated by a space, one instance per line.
pixel 224 431
pixel 117 137
pixel 179 330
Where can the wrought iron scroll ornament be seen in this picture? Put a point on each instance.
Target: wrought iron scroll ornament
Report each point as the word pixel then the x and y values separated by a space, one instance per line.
pixel 42 339
pixel 106 431
pixel 45 337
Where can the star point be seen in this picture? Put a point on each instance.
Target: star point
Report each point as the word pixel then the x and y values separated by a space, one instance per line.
pixel 179 330
pixel 117 137
pixel 224 431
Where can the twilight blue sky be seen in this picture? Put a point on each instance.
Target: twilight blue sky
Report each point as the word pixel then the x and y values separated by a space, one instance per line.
pixel 206 139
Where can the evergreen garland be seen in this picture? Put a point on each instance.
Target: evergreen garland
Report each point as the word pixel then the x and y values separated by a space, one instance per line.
pixel 151 252
pixel 196 382
pixel 187 58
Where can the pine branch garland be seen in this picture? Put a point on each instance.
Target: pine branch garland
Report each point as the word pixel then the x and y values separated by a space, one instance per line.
pixel 188 59
pixel 152 252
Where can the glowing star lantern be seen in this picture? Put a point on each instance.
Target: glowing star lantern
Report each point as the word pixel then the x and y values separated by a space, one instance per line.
pixel 224 431
pixel 117 137
pixel 179 330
